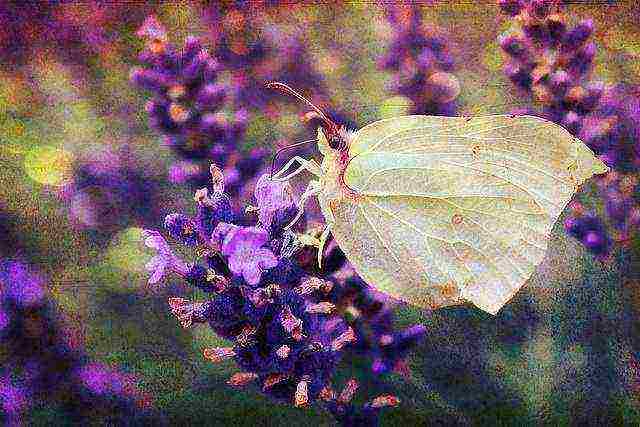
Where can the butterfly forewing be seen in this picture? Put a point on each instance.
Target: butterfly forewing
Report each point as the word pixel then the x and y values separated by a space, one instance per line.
pixel 456 201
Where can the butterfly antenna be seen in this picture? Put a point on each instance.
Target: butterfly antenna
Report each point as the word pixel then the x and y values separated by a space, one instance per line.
pixel 275 156
pixel 282 87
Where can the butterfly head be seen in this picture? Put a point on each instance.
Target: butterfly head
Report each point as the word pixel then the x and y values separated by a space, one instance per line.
pixel 331 137
pixel 332 140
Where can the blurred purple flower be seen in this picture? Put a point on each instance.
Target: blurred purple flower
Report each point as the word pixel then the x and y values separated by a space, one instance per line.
pixel 5 320
pixel 421 62
pixel 21 285
pixel 111 190
pixel 41 363
pixel 13 397
pixel 164 260
pixel 101 379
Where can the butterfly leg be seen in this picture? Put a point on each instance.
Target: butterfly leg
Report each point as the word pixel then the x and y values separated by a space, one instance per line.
pixel 323 239
pixel 312 190
pixel 330 219
pixel 305 165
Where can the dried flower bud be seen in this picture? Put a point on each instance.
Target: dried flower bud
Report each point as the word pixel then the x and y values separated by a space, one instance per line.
pixel 283 351
pixel 291 324
pixel 320 308
pixel 178 113
pixel 302 393
pixel 217 178
pixel 273 379
pixel 327 394
pixel 218 354
pixel 220 283
pixel 384 401
pixel 345 338
pixel 242 378
pixel 245 336
pixel 349 391
pixel 385 339
pixel 308 285
pixel 176 92
pixel 184 310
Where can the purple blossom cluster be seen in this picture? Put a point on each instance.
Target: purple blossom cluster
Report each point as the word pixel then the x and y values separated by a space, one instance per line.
pixel 289 328
pixel 255 53
pixel 552 64
pixel 421 62
pixel 42 364
pixel 188 109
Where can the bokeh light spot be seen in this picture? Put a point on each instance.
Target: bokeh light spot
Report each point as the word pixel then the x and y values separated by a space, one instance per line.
pixel 126 253
pixel 49 165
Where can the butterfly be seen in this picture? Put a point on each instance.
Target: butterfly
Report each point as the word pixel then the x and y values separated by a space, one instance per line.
pixel 438 211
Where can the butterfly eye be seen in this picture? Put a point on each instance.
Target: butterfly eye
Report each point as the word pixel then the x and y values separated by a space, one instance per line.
pixel 335 142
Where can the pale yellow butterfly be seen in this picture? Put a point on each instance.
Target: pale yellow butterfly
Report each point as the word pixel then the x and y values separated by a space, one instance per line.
pixel 436 211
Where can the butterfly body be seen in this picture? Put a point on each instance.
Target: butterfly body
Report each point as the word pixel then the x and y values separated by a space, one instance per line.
pixel 436 211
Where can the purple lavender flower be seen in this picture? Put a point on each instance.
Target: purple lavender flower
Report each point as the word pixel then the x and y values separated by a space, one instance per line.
pixel 109 191
pixel 255 55
pixel 164 260
pixel 75 31
pixel 20 285
pixel 187 109
pixel 272 198
pixel 288 328
pixel 14 398
pixel 244 248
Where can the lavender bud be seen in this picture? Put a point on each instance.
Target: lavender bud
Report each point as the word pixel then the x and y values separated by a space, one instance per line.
pixel 519 76
pixel 218 354
pixel 582 60
pixel 559 82
pixel 194 69
pixel 513 45
pixel 242 378
pixel 210 97
pixel 557 28
pixel 182 228
pixel 148 79
pixel 192 47
pixel 577 36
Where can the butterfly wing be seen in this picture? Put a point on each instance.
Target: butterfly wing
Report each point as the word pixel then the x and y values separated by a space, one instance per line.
pixel 455 209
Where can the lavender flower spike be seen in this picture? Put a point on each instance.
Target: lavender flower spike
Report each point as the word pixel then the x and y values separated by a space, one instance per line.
pixel 165 258
pixel 247 257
